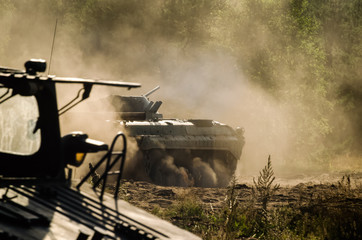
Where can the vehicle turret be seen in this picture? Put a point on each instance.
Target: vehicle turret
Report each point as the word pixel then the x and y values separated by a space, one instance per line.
pixel 136 107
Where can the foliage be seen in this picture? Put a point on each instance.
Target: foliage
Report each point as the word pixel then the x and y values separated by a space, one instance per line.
pixel 264 189
pixel 333 212
pixel 235 223
pixel 188 213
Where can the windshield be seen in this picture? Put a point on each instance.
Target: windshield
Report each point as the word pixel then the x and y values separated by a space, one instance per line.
pixel 18 118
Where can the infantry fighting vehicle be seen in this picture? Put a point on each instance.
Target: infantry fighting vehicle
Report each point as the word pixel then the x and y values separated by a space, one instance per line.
pixel 38 199
pixel 199 152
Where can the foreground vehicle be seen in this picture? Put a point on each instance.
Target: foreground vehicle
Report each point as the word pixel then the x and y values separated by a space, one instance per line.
pixel 38 199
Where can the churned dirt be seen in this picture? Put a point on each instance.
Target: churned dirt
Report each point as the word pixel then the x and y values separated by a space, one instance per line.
pixel 328 189
pixel 323 206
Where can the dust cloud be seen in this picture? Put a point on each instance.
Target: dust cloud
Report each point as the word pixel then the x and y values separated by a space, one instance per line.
pixel 204 175
pixel 196 82
pixel 214 88
pixel 168 174
pixel 166 170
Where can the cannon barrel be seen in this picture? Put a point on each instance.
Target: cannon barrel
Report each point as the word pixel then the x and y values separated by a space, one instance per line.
pixel 152 91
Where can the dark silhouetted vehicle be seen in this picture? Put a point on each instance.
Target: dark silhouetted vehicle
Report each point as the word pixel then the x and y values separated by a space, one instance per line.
pixel 38 198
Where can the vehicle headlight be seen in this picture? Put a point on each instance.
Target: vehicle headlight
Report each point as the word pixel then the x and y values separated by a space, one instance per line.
pixel 76 145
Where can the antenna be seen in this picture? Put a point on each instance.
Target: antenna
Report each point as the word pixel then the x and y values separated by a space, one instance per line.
pixel 51 53
pixel 152 91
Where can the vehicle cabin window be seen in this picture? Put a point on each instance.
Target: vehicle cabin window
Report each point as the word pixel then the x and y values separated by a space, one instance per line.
pixel 18 118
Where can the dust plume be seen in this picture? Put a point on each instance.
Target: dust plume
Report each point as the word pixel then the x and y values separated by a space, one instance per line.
pixel 168 174
pixel 183 170
pixel 203 174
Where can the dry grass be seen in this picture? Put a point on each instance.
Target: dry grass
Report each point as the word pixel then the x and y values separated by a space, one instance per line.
pixel 261 211
pixel 322 212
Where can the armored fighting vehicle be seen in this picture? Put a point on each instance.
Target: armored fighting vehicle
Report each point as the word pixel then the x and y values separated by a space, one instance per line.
pixel 194 152
pixel 38 197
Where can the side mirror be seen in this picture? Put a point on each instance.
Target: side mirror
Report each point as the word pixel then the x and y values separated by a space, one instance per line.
pixel 33 66
pixel 76 145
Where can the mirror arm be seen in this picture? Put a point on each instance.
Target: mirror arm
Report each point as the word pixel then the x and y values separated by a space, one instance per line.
pixel 87 88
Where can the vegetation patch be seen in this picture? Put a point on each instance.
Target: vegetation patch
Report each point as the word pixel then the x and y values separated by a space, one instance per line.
pixel 268 211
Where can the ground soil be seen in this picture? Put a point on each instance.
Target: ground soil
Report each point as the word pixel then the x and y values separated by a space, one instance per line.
pixel 328 189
